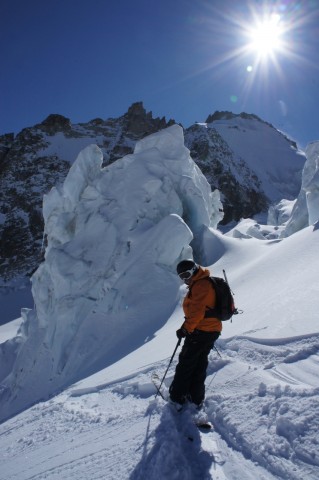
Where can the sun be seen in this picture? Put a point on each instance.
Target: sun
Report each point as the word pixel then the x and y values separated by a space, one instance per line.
pixel 258 42
pixel 265 38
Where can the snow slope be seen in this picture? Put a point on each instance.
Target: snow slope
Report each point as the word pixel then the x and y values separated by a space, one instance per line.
pixel 262 393
pixel 267 152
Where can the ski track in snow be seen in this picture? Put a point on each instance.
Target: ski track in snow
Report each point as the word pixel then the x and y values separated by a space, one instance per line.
pixel 263 409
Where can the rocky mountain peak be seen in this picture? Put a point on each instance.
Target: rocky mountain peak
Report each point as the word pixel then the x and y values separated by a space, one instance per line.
pixel 55 123
pixel 137 110
pixel 225 115
pixel 139 122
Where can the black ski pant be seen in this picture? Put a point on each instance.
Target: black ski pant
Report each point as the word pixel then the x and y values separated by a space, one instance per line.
pixel 190 373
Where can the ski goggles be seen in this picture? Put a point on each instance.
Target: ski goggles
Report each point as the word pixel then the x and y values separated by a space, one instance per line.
pixel 188 273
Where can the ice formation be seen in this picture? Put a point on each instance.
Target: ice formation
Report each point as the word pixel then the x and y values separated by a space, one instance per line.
pixel 306 209
pixel 114 236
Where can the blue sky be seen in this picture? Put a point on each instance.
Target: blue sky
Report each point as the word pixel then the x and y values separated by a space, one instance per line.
pixel 184 59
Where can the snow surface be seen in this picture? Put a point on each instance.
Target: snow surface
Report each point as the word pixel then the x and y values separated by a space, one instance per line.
pixel 9 330
pixel 262 386
pixel 262 394
pixel 68 148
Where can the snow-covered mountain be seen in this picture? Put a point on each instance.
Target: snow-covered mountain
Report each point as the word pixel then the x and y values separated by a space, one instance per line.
pixel 249 161
pixel 107 300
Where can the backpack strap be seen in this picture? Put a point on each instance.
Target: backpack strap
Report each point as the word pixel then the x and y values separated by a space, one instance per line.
pixel 211 312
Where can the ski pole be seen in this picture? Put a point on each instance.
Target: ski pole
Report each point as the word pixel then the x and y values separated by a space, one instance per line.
pixel 177 345
pixel 225 277
pixel 217 351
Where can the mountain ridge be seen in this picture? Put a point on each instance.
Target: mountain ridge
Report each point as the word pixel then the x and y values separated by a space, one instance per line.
pixel 39 157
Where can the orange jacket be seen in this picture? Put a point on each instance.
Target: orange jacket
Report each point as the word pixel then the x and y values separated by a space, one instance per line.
pixel 200 296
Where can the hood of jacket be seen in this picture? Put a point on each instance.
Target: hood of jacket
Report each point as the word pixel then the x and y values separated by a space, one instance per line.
pixel 199 275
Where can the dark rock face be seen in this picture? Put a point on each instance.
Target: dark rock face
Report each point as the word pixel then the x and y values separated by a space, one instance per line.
pixel 138 123
pixel 216 160
pixel 6 142
pixel 225 115
pixel 39 158
pixel 55 123
pixel 23 182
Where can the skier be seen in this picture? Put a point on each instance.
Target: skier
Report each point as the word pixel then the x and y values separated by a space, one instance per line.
pixel 200 334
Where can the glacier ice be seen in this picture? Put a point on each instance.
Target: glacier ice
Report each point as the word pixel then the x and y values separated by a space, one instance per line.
pixel 114 236
pixel 306 208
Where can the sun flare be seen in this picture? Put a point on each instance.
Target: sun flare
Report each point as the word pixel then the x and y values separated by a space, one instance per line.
pixel 261 42
pixel 265 36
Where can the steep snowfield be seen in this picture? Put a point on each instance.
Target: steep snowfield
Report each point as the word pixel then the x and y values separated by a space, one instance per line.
pixel 267 152
pixel 262 391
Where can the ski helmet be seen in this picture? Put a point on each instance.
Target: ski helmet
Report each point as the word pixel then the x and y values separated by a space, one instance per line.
pixel 188 266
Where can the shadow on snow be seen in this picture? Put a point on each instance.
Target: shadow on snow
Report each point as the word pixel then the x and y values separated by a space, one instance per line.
pixel 173 451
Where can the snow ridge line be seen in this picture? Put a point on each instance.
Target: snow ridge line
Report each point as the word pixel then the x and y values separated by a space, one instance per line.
pixel 78 392
pixel 271 341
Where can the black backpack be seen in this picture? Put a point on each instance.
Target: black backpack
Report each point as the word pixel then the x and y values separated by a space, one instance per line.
pixel 225 305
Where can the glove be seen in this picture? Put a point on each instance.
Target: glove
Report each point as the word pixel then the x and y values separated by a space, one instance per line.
pixel 181 333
